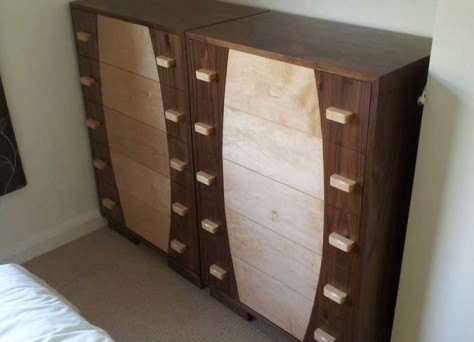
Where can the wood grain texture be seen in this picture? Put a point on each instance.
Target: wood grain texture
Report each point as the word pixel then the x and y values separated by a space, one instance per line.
pixel 126 46
pixel 90 68
pixel 177 100
pixel 86 22
pixel 107 190
pixel 181 151
pixel 143 143
pixel 279 92
pixel 132 95
pixel 96 112
pixel 102 153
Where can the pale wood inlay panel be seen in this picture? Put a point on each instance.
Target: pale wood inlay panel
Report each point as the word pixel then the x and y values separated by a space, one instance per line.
pixel 141 182
pixel 280 92
pixel 127 46
pixel 273 300
pixel 151 224
pixel 138 141
pixel 286 211
pixel 286 261
pixel 132 95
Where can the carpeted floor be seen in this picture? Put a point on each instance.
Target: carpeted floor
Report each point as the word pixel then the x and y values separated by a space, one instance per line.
pixel 129 291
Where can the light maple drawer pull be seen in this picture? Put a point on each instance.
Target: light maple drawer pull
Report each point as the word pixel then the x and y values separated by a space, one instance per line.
pixel 342 183
pixel 99 164
pixel 217 272
pixel 205 178
pixel 83 37
pixel 335 294
pixel 206 75
pixel 203 128
pixel 340 242
pixel 92 123
pixel 177 246
pixel 174 115
pixel 87 81
pixel 165 62
pixel 180 209
pixel 108 203
pixel 339 115
pixel 210 226
pixel 177 164
pixel 322 336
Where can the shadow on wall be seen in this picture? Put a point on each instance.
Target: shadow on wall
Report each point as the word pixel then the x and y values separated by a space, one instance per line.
pixel 424 226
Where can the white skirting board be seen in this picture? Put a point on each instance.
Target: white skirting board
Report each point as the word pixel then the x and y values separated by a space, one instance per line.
pixel 52 238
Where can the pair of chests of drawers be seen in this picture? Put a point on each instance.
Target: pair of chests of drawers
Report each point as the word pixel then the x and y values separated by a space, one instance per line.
pixel 136 101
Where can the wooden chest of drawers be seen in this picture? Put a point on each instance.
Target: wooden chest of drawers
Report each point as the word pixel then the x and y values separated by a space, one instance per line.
pixel 132 63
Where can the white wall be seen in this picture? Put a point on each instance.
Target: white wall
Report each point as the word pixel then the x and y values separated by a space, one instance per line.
pixel 38 68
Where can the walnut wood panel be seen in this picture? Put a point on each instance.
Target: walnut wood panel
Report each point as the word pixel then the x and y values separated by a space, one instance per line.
pixel 143 143
pixel 206 112
pixel 291 214
pixel 181 151
pixel 100 152
pixel 281 259
pixel 85 22
pixel 346 94
pixel 280 155
pixel 133 95
pixel 107 190
pixel 90 68
pixel 273 300
pixel 171 46
pixel 127 46
pixel 279 92
pixel 96 112
pixel 177 100
pixel 149 223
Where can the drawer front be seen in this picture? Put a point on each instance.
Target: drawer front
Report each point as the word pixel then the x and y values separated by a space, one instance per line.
pixel 207 127
pixel 208 179
pixel 344 173
pixel 102 163
pixel 170 59
pixel 85 33
pixel 183 227
pixel 109 192
pixel 90 79
pixel 344 104
pixel 181 170
pixel 97 132
pixel 176 101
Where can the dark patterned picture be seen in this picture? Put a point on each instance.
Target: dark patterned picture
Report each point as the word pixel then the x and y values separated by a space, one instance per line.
pixel 12 176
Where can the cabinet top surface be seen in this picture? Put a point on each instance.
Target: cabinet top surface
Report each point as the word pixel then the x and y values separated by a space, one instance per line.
pixel 349 50
pixel 175 16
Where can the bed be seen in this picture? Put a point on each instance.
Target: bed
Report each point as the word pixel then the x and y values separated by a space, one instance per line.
pixel 32 311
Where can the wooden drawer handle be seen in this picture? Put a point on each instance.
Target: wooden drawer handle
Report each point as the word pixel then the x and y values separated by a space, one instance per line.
pixel 205 178
pixel 174 115
pixel 108 203
pixel 210 226
pixel 217 272
pixel 335 294
pixel 99 164
pixel 165 62
pixel 206 75
pixel 92 123
pixel 177 164
pixel 339 115
pixel 180 209
pixel 83 37
pixel 203 128
pixel 322 336
pixel 341 242
pixel 342 183
pixel 87 81
pixel 177 246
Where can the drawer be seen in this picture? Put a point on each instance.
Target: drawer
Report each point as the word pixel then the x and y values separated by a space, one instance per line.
pixel 181 164
pixel 206 128
pixel 102 163
pixel 95 122
pixel 344 176
pixel 208 178
pixel 85 33
pixel 183 227
pixel 178 123
pixel 170 59
pixel 345 105
pixel 90 79
pixel 341 238
pixel 110 202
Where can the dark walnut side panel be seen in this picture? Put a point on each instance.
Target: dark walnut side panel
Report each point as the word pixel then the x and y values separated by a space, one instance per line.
pixel 85 22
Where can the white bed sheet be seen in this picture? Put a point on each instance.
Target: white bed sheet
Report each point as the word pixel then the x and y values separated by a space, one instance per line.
pixel 31 311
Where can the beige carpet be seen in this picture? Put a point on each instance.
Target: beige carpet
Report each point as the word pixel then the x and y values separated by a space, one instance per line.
pixel 129 291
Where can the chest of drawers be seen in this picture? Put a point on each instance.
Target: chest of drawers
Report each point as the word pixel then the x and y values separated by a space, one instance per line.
pixel 132 62
pixel 305 139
